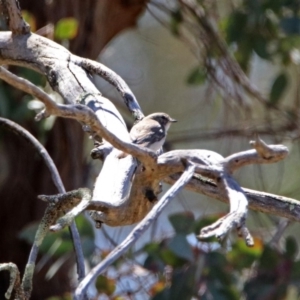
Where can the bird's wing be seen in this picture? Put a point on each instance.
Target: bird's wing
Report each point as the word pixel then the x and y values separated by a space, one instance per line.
pixel 147 135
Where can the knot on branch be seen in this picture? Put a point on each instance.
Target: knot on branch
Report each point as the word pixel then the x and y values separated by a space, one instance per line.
pixel 101 151
pixel 76 201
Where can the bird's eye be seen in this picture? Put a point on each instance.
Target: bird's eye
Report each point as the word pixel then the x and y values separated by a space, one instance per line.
pixel 164 118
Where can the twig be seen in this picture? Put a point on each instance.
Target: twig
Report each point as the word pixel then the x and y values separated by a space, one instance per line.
pixel 237 215
pixel 79 113
pixel 213 134
pixel 211 165
pixel 17 129
pixel 114 79
pixel 207 168
pixel 263 154
pixel 135 233
pixel 259 201
pixel 27 87
pixel 237 73
pixel 281 228
pixel 85 197
pixel 14 17
pixel 14 281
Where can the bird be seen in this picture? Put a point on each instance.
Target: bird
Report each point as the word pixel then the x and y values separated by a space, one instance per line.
pixel 151 131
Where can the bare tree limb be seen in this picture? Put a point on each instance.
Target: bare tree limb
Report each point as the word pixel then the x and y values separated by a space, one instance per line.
pixel 123 184
pixel 263 154
pixel 17 129
pixel 78 112
pixel 259 201
pixel 237 215
pixel 14 282
pixel 141 181
pixel 74 85
pixel 135 233
pixel 218 169
pixel 213 166
pixel 119 194
pixel 114 79
pixel 14 18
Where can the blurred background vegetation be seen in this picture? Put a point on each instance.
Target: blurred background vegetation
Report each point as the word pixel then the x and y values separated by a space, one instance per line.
pixel 227 70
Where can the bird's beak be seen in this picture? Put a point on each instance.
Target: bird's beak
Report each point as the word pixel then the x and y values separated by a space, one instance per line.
pixel 173 120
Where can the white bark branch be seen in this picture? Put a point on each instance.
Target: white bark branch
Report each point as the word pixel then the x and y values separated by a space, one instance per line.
pixel 135 233
pixel 14 281
pixel 78 112
pixel 114 79
pixel 126 191
pixel 125 198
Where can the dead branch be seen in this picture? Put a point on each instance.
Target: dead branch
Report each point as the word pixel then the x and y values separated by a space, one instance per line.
pixel 135 233
pixel 127 188
pixel 114 79
pixel 122 202
pixel 27 279
pixel 14 282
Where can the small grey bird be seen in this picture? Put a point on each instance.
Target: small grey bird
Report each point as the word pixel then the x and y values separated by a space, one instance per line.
pixel 151 131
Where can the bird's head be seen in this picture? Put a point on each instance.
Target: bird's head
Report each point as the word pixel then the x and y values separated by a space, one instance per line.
pixel 162 118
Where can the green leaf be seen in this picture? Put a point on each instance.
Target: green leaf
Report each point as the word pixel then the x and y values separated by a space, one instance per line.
pixel 182 222
pixel 154 264
pixel 197 76
pixel 242 256
pixel 88 246
pixel 290 25
pixel 295 272
pixel 66 245
pixel 30 19
pixel 217 268
pixel 84 227
pixel 32 76
pixel 291 247
pixel 176 19
pixel 66 296
pixel 278 87
pixel 258 288
pixel 183 284
pixel 62 239
pixel 236 25
pixel 162 295
pixel 105 285
pixel 269 259
pixel 260 45
pixel 180 246
pixel 217 291
pixel 66 29
pixel 170 258
pixel 28 233
pixel 152 248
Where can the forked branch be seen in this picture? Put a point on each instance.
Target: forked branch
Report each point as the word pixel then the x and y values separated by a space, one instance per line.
pixel 135 233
